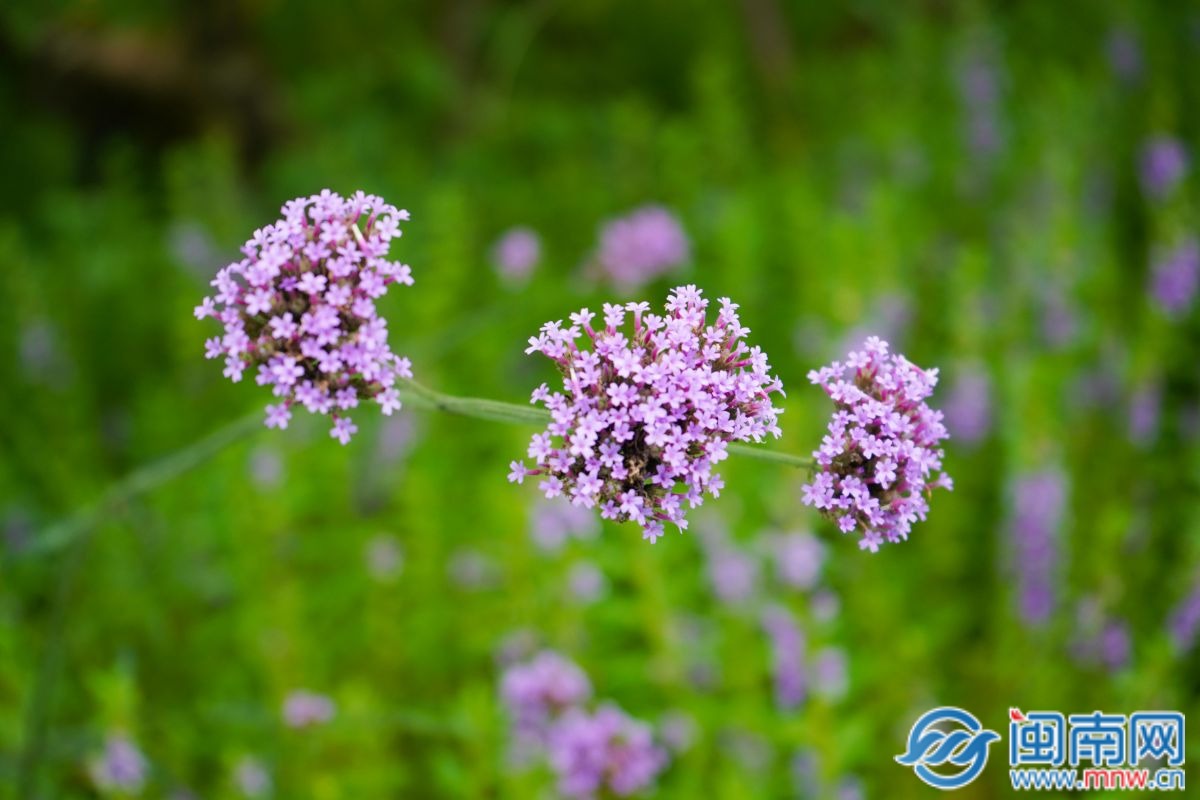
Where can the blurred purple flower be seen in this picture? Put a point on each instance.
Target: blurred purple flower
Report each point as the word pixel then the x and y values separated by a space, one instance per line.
pixel 968 405
pixel 42 357
pixel 555 521
pixel 302 709
pixel 890 318
pixel 1038 503
pixel 979 85
pixel 1175 277
pixel 1184 622
pixel 120 767
pixel 586 582
pixel 471 569
pixel 1145 411
pixel 806 772
pixel 787 656
pixel 1059 321
pixel 642 245
pixel 850 788
pixel 536 691
pixel 397 436
pixel 1164 164
pixel 733 573
pixel 385 558
pixel 830 671
pixel 605 752
pixel 678 730
pixel 192 246
pixel 874 465
pixel 251 778
pixel 516 254
pixel 1116 644
pixel 1124 55
pixel 799 557
pixel 266 467
pixel 825 606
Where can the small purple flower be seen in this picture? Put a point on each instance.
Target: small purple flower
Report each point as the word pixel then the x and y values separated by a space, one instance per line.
pixel 299 308
pixel 787 656
pixel 1145 412
pixel 120 767
pixel 516 254
pixel 473 570
pixel 251 778
pixel 1164 164
pixel 648 411
pixel 1184 622
pixel 538 690
pixel 384 557
pixel 875 462
pixel 586 582
pixel 733 573
pixel 830 672
pixel 1175 278
pixel 968 406
pixel 799 557
pixel 678 730
pixel 1038 502
pixel 1124 55
pixel 603 752
pixel 979 84
pixel 642 245
pixel 554 522
pixel 303 709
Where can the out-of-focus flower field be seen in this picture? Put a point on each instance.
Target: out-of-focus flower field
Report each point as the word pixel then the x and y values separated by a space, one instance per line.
pixel 1004 191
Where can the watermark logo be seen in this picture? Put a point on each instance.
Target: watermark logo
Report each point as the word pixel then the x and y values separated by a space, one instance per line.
pixel 1051 751
pixel 948 735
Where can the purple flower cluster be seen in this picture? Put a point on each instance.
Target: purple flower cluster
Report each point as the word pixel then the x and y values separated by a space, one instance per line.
pixel 875 462
pixel 1176 277
pixel 787 656
pixel 969 405
pixel 540 689
pixel 604 751
pixel 642 245
pixel 516 253
pixel 555 522
pixel 1038 502
pixel 1164 164
pixel 648 411
pixel 121 767
pixel 302 709
pixel 1184 622
pixel 299 309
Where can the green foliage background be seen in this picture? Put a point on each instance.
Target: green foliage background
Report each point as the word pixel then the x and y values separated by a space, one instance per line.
pixel 820 165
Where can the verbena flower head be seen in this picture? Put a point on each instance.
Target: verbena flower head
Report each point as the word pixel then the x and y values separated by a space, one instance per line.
pixel 648 411
pixel 516 253
pixel 604 752
pixel 642 245
pixel 875 464
pixel 299 309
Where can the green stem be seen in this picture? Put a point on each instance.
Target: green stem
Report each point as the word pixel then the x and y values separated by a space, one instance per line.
pixel 143 479
pixel 415 394
pixel 424 397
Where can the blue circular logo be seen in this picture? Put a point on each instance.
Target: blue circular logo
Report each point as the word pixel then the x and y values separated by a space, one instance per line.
pixel 957 739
